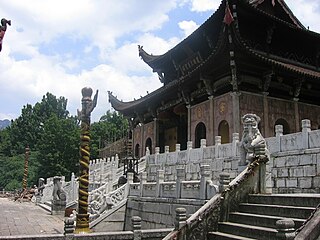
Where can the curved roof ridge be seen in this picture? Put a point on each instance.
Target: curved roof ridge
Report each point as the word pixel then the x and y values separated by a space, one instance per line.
pixel 296 68
pixel 149 58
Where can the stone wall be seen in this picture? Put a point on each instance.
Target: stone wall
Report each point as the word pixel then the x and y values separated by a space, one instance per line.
pixel 157 213
pixel 294 160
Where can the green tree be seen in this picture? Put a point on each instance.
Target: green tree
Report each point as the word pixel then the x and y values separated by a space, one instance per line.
pixel 111 127
pixel 59 147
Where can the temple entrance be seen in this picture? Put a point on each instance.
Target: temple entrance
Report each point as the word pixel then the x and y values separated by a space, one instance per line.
pixel 200 133
pixel 223 131
pixel 149 145
pixel 137 151
pixel 285 125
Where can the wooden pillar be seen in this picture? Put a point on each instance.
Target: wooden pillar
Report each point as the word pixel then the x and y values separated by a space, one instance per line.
pixel 266 115
pixel 235 112
pixel 211 121
pixel 189 122
pixel 296 114
pixel 156 133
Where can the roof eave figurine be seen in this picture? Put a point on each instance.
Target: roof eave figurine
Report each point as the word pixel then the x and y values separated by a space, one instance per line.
pixel 3 29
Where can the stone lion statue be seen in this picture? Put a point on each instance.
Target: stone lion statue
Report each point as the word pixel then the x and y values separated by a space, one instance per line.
pixel 252 144
pixel 58 193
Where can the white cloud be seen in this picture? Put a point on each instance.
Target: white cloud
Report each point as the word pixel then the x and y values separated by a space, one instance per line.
pixel 188 27
pixel 204 5
pixel 307 12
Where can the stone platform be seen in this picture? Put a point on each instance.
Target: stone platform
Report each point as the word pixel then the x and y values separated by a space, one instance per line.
pixel 26 218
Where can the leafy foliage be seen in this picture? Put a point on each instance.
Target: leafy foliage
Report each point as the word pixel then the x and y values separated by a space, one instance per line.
pixel 53 137
pixel 111 127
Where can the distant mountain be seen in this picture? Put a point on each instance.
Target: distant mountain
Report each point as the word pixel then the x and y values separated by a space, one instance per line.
pixel 4 123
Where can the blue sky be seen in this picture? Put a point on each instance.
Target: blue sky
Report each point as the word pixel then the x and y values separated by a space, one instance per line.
pixel 62 46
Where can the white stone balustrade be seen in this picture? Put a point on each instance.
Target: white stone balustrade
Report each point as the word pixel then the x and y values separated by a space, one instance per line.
pixel 301 169
pixel 179 189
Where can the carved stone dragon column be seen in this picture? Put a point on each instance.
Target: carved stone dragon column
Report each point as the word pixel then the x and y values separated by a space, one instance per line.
pixel 82 225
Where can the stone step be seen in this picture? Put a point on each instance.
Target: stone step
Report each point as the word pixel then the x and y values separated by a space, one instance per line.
pixel 225 236
pixel 260 220
pixel 302 200
pixel 276 210
pixel 248 231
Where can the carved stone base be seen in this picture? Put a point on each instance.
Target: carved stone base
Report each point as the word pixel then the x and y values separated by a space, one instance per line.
pixel 58 207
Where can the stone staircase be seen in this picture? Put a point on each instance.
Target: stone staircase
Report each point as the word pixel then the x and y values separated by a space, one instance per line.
pixel 256 218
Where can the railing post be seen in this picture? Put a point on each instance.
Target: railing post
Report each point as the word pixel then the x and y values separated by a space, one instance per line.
pixel 136 227
pixel 69 228
pixel 216 144
pixel 203 143
pixel 285 228
pixel 189 145
pixel 279 133
pixel 166 149
pixel 180 178
pixel 306 128
pixel 235 141
pixel 224 180
pixel 177 147
pixel 143 180
pixel 160 179
pixel 205 176
pixel 181 217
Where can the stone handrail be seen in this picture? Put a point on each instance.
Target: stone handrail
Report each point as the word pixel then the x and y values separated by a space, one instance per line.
pixel 101 200
pixel 310 229
pixel 218 207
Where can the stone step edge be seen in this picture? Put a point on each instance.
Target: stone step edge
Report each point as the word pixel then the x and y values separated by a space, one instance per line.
pixel 266 216
pixel 240 225
pixel 276 206
pixel 231 236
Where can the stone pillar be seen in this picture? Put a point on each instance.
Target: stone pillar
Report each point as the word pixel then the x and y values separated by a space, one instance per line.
pixel 205 176
pixel 189 145
pixel 217 140
pixel 88 105
pixel 266 114
pixel 217 144
pixel 166 149
pixel 143 180
pixel 306 128
pixel 235 141
pixel 180 178
pixel 189 122
pixel 203 143
pixel 157 150
pixel 136 227
pixel 181 217
pixel 160 179
pixel 224 180
pixel 69 228
pixel 279 133
pixel 285 228
pixel 177 147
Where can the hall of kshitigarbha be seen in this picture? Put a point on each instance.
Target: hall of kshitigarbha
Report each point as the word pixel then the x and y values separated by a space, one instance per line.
pixel 249 57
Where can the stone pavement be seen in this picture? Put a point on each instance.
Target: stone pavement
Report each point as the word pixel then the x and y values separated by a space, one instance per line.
pixel 26 218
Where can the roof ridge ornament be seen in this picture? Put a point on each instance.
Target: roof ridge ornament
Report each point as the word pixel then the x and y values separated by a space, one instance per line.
pixel 228 18
pixel 255 3
pixel 3 29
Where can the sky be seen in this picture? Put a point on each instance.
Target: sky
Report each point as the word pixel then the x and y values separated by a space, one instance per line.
pixel 62 46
